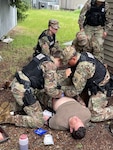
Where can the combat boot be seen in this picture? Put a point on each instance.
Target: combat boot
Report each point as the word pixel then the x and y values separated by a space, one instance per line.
pixel 4 106
pixel 5 116
pixel 35 111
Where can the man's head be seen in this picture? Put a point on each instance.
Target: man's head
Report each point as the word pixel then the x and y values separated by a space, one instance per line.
pixel 77 128
pixel 80 133
pixel 67 54
pixel 57 57
pixel 54 24
pixel 82 38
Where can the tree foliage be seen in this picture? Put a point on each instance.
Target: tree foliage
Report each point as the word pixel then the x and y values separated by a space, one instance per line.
pixel 22 7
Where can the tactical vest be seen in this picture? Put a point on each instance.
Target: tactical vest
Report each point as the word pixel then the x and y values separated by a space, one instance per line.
pixel 100 70
pixel 34 72
pixel 51 40
pixel 95 16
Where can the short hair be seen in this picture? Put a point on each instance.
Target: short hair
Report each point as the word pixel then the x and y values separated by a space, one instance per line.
pixel 80 133
pixel 56 54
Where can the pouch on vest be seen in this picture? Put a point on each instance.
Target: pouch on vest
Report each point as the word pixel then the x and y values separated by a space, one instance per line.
pixel 28 98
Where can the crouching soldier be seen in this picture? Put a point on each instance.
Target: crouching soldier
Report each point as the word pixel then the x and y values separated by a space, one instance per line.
pixel 47 42
pixel 39 74
pixel 87 71
pixel 83 43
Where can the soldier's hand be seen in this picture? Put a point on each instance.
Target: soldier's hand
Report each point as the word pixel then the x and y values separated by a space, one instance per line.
pixel 68 72
pixel 104 34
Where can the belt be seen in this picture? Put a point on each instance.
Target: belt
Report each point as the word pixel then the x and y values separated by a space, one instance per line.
pixel 21 81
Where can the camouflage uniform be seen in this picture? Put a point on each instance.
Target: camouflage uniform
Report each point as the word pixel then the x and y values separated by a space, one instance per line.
pixel 46 99
pixel 85 70
pixel 83 44
pixel 97 31
pixel 48 44
pixel 47 41
pixel 34 116
pixel 99 109
pixel 34 112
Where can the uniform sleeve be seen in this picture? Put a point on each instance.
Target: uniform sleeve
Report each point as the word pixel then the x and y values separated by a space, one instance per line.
pixel 84 71
pixel 50 78
pixel 44 44
pixel 82 14
pixel 108 22
pixel 55 47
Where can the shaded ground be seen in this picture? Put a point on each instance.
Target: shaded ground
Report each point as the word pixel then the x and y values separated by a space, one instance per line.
pixel 97 137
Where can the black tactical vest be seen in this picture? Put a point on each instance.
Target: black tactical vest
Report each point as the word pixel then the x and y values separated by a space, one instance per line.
pixel 95 16
pixel 51 40
pixel 100 70
pixel 34 72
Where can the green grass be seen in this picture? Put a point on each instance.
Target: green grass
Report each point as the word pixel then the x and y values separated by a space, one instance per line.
pixel 37 21
pixel 25 36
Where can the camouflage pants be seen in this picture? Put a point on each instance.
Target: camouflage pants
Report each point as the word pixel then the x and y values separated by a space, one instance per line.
pixel 98 33
pixel 99 109
pixel 34 117
pixel 44 99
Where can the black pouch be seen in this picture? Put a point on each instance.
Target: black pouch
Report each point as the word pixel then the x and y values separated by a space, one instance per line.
pixel 28 98
pixel 93 90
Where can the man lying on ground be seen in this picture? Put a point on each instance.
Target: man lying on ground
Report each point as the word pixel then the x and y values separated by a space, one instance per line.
pixel 69 115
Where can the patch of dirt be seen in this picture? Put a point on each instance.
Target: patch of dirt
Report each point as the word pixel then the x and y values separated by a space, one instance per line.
pixel 97 136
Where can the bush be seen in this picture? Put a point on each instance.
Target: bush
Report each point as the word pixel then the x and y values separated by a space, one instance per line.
pixel 22 7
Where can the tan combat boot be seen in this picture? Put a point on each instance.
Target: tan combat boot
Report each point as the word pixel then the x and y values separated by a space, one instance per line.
pixel 5 116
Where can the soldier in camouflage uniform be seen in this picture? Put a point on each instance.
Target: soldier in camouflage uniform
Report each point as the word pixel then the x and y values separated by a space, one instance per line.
pixel 95 20
pixel 39 74
pixel 87 71
pixel 47 43
pixel 82 43
pixel 47 40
